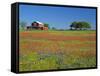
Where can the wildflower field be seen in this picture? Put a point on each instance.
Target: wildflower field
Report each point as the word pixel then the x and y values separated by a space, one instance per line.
pixel 52 50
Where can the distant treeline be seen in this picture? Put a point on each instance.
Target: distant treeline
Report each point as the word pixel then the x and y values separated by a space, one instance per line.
pixel 73 26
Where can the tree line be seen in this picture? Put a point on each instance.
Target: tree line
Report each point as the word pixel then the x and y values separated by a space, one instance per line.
pixel 73 26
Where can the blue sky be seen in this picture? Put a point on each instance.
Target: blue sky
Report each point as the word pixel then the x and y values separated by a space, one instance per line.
pixel 59 17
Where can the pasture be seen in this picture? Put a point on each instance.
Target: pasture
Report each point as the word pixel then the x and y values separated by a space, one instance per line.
pixel 50 50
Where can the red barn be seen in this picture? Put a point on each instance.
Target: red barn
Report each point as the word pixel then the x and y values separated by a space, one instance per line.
pixel 37 25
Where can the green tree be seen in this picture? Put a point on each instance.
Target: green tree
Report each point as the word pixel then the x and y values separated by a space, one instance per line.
pixel 86 25
pixel 46 25
pixel 73 25
pixel 80 25
pixel 23 25
pixel 83 25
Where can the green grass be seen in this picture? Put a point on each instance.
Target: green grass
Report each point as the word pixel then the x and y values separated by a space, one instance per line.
pixel 35 61
pixel 42 57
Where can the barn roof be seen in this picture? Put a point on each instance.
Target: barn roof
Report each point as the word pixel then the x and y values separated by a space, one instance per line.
pixel 39 22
